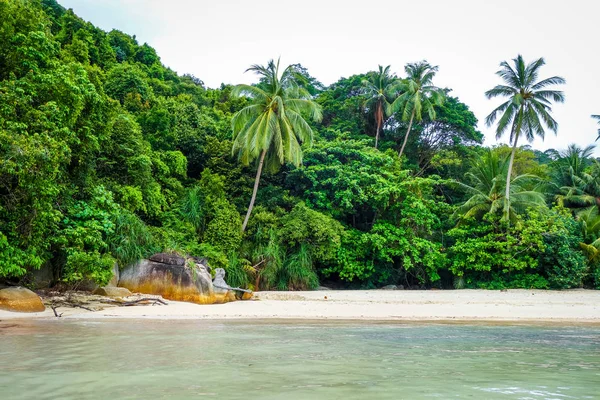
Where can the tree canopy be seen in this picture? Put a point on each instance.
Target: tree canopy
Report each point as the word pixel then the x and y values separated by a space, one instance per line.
pixel 108 156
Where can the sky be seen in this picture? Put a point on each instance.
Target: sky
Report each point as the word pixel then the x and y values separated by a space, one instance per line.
pixel 217 40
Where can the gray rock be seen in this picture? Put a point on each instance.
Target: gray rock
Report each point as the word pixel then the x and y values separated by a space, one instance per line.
pixel 188 281
pixel 390 287
pixel 168 258
pixel 222 294
pixel 323 288
pixel 20 299
pixel 219 282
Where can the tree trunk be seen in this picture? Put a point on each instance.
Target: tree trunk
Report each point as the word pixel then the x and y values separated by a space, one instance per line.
pixel 508 176
pixel 379 117
pixel 407 132
pixel 256 181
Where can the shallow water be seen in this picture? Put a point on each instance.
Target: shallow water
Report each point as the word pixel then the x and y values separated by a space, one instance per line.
pixel 149 359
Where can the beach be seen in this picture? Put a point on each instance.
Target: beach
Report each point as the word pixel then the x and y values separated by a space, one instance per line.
pixel 526 306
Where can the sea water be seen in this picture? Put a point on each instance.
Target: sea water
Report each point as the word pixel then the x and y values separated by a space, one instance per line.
pixel 161 359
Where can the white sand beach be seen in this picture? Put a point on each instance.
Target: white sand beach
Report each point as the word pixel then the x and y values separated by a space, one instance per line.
pixel 571 306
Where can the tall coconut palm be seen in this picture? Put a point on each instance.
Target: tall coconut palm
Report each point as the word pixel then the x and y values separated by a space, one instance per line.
pixel 272 128
pixel 486 189
pixel 597 118
pixel 418 95
pixel 380 87
pixel 527 109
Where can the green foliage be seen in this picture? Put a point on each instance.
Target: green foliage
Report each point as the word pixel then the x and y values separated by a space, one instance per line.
pixel 487 192
pixel 540 249
pixel 562 260
pixel 224 231
pixel 299 273
pixel 238 271
pixel 320 234
pixel 108 156
pixel 130 240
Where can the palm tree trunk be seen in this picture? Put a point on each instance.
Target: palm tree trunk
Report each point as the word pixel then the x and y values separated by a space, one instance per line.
pixel 256 181
pixel 412 116
pixel 508 176
pixel 379 117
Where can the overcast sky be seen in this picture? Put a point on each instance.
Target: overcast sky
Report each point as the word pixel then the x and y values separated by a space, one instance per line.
pixel 217 40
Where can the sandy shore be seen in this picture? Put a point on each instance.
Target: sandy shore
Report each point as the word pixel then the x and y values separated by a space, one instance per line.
pixel 573 306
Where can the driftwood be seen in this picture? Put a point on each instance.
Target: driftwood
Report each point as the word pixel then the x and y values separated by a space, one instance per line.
pixel 233 288
pixel 73 303
pixel 57 315
pixel 134 302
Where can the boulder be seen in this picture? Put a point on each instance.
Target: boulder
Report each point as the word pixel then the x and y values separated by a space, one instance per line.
pixel 175 279
pixel 111 291
pixel 20 299
pixel 222 290
pixel 390 287
pixel 168 258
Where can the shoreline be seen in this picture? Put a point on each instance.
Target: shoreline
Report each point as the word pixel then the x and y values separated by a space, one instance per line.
pixel 516 306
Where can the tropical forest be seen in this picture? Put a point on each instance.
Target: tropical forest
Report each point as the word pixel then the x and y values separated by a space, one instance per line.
pixel 381 178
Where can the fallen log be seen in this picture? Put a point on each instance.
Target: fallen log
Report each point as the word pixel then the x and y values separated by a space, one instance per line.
pixel 233 288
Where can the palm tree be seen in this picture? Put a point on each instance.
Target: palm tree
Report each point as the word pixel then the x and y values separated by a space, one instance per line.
pixel 417 95
pixel 527 109
pixel 486 191
pixel 597 118
pixel 576 185
pixel 380 87
pixel 272 128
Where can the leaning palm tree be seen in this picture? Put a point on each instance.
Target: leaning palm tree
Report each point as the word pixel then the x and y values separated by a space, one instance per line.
pixel 380 87
pixel 418 95
pixel 272 128
pixel 486 190
pixel 597 118
pixel 527 109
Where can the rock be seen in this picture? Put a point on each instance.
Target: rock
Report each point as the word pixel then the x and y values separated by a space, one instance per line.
pixel 111 291
pixel 167 258
pixel 220 286
pixel 323 288
pixel 114 281
pixel 390 287
pixel 174 279
pixel 246 296
pixel 20 299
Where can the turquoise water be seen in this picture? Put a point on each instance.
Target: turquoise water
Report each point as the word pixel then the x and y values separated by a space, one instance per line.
pixel 118 359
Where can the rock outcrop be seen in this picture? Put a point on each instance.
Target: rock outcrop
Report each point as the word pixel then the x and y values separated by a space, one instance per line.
pixel 20 299
pixel 173 277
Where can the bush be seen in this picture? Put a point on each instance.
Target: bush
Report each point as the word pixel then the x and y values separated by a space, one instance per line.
pixel 562 260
